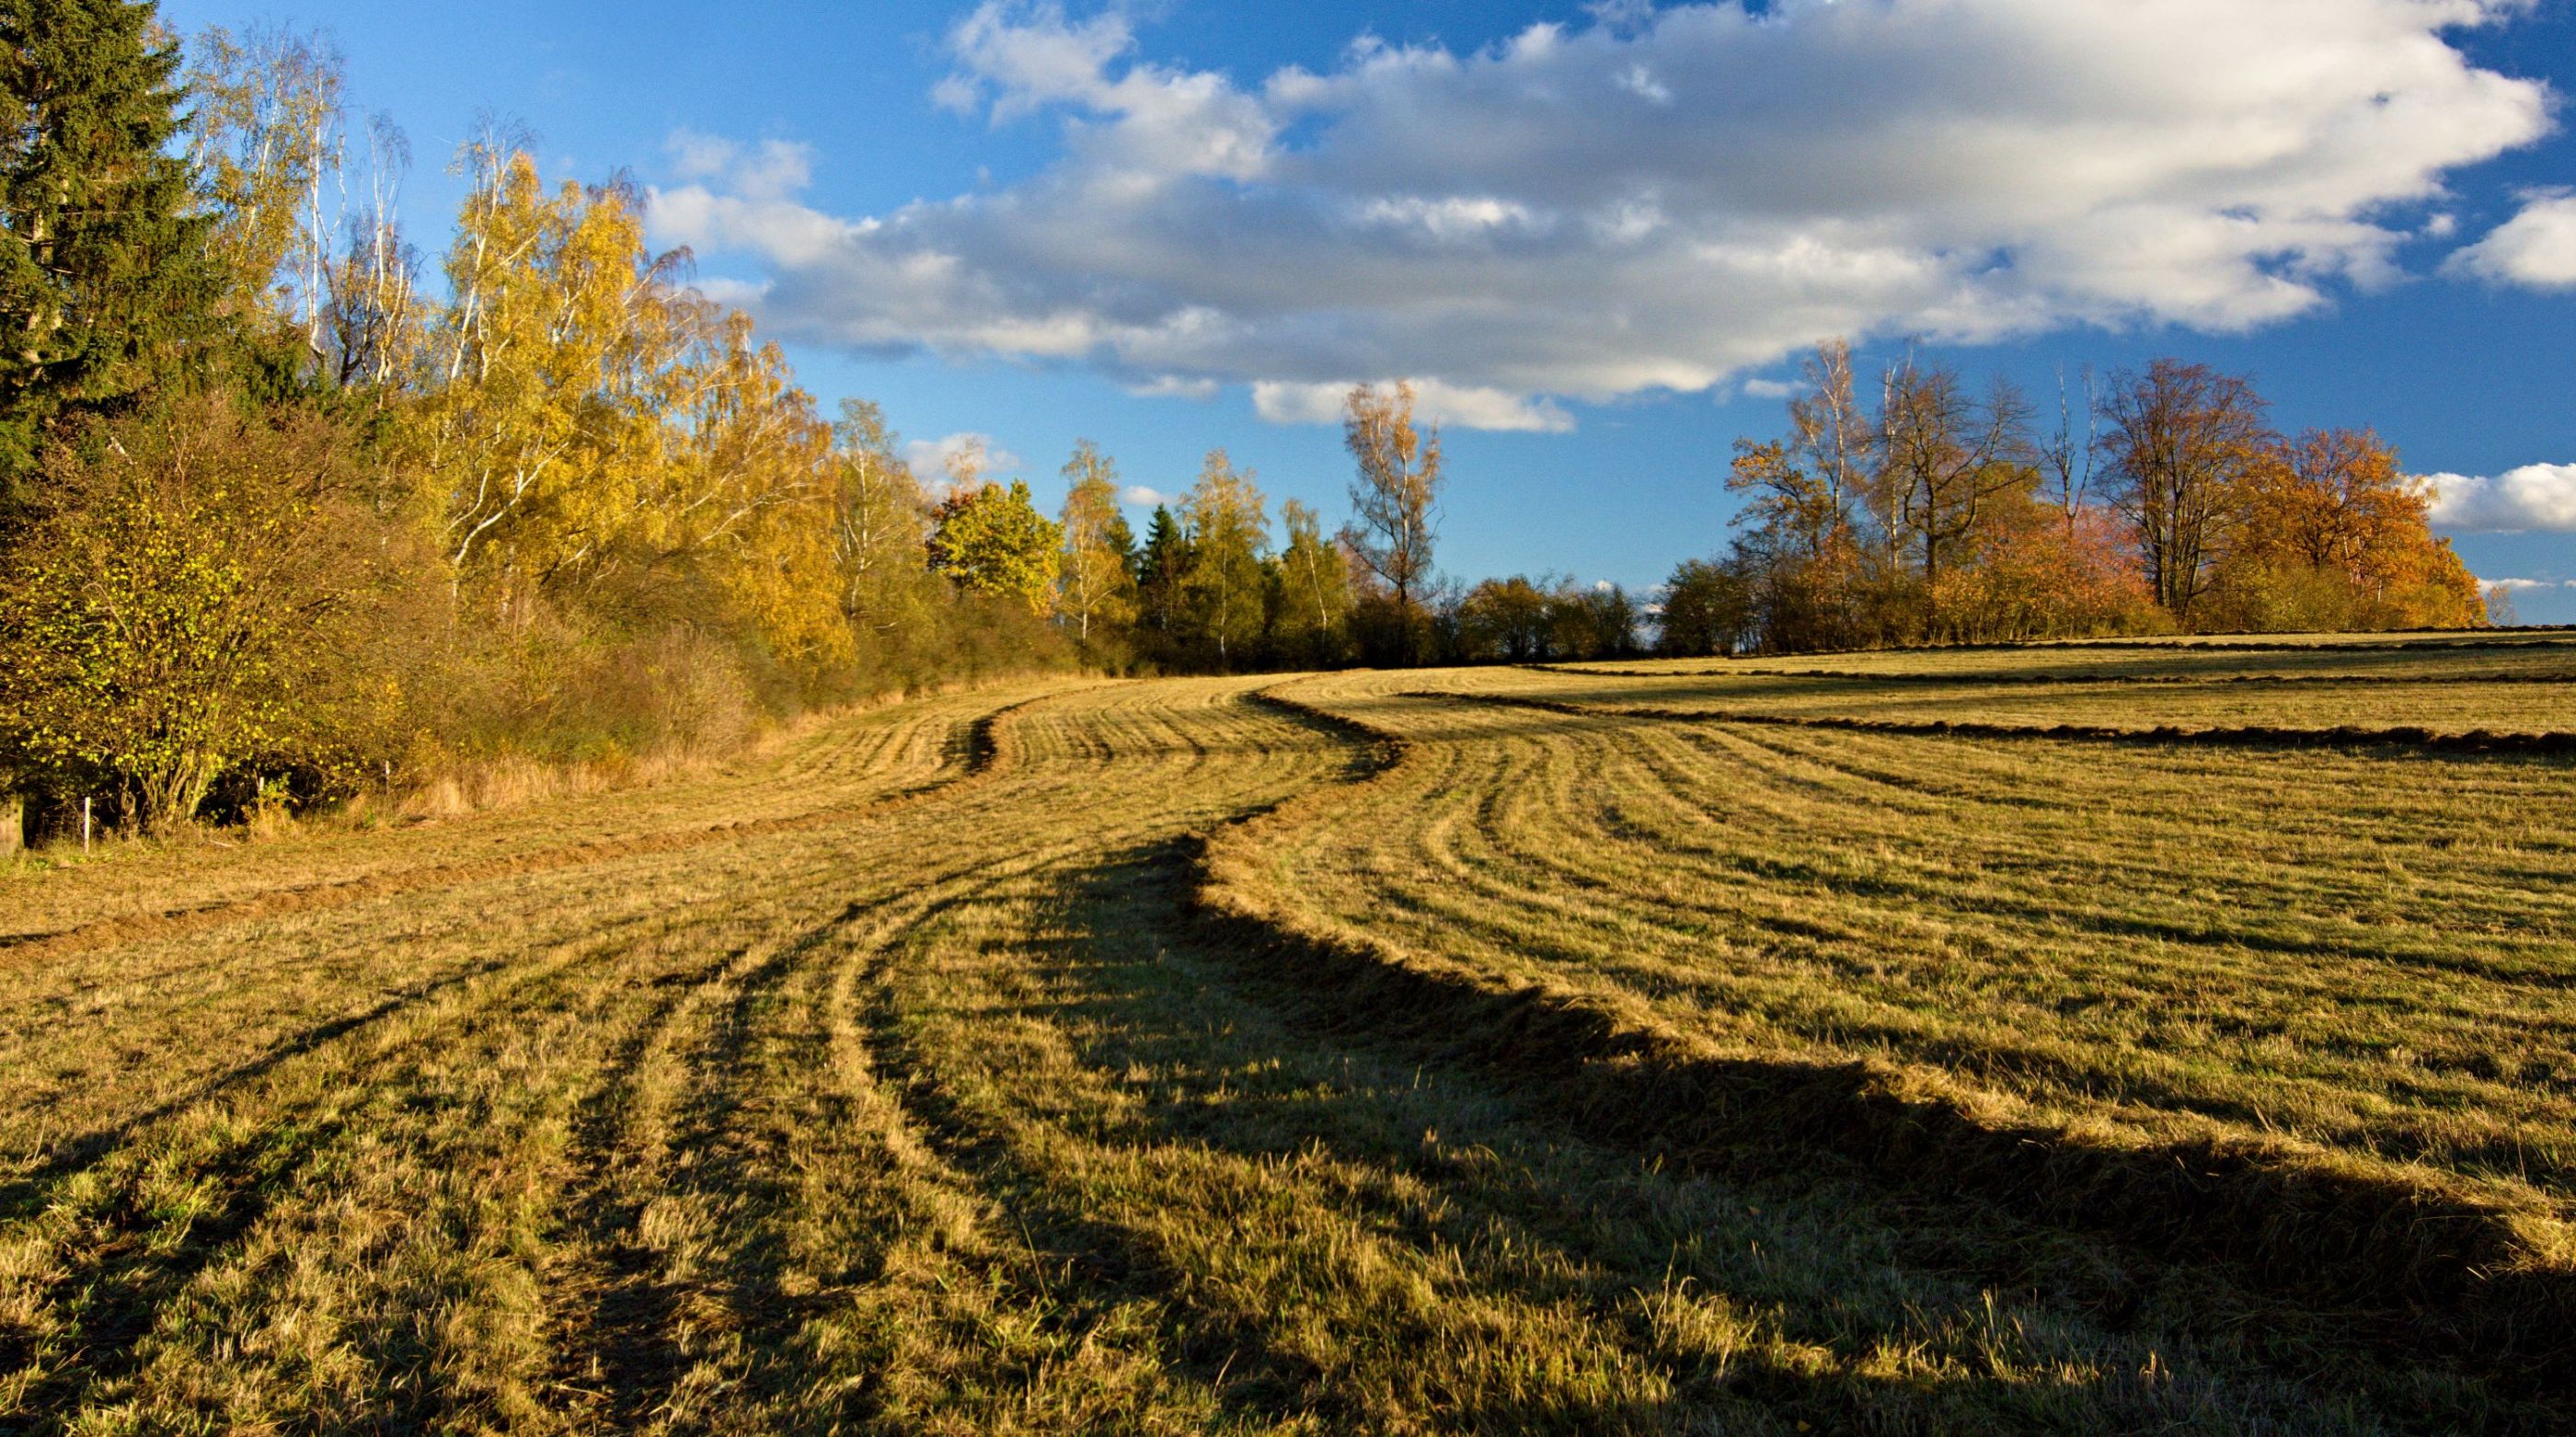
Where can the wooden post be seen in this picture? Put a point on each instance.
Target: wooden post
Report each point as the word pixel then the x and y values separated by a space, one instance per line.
pixel 84 823
pixel 13 823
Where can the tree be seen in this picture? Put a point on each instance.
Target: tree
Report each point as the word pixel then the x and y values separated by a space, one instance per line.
pixel 1229 532
pixel 2067 458
pixel 198 605
pixel 993 541
pixel 1395 497
pixel 1707 611
pixel 1097 587
pixel 105 280
pixel 738 491
pixel 550 356
pixel 1835 443
pixel 1160 562
pixel 880 524
pixel 1804 515
pixel 2334 535
pixel 1596 623
pixel 1505 619
pixel 1947 460
pixel 1311 617
pixel 265 139
pixel 2180 441
pixel 373 323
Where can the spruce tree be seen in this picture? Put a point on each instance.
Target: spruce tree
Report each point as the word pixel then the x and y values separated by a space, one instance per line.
pixel 1158 570
pixel 105 281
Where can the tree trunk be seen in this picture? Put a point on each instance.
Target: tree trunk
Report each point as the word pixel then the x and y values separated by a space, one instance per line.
pixel 13 823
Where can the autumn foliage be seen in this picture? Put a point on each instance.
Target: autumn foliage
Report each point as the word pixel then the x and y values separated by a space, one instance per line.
pixel 2165 502
pixel 562 506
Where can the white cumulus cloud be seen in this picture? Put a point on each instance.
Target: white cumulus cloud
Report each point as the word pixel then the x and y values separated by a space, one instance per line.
pixel 2537 247
pixel 1453 405
pixel 1143 496
pixel 1173 386
pixel 2534 497
pixel 934 461
pixel 1655 199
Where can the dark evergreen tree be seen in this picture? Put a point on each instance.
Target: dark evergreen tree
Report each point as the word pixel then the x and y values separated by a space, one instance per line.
pixel 1122 541
pixel 1159 566
pixel 105 280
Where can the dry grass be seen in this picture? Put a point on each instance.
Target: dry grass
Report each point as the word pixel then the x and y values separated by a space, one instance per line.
pixel 2455 685
pixel 1175 1057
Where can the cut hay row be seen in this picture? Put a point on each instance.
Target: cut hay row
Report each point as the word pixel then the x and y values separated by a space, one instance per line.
pixel 2341 736
pixel 2535 636
pixel 904 763
pixel 2483 1264
pixel 1999 679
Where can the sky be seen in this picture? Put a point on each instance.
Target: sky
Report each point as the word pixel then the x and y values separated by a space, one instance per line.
pixel 1596 235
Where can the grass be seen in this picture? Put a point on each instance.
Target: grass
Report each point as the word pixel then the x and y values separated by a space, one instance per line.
pixel 2447 685
pixel 1331 1054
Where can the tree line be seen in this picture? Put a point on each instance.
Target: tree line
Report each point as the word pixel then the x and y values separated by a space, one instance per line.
pixel 288 509
pixel 2154 501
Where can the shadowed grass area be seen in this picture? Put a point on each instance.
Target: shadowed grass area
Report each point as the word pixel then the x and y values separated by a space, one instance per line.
pixel 1169 1057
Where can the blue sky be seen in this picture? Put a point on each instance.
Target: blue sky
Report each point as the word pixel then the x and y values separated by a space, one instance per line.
pixel 1599 230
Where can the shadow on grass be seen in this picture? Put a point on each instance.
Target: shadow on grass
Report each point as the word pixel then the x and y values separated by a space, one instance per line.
pixel 1263 1049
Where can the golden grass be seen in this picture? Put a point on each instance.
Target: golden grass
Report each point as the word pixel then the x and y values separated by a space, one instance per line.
pixel 1226 1055
pixel 2523 685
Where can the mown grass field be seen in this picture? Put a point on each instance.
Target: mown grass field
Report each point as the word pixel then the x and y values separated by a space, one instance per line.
pixel 2081 1038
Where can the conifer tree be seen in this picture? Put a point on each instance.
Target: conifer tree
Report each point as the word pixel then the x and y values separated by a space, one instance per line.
pixel 1159 565
pixel 104 276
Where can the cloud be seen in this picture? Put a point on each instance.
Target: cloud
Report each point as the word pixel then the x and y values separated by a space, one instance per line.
pixel 1142 496
pixel 1769 389
pixel 770 170
pixel 2536 247
pixel 1649 200
pixel 1173 386
pixel 2517 586
pixel 931 459
pixel 2533 497
pixel 1452 405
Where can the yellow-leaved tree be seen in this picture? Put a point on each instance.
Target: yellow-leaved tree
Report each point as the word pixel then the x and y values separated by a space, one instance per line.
pixel 536 425
pixel 1096 593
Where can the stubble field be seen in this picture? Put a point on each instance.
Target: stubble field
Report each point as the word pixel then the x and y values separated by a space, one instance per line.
pixel 2077 1038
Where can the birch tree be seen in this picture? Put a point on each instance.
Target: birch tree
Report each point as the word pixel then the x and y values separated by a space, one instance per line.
pixel 266 139
pixel 542 411
pixel 880 522
pixel 1097 589
pixel 1314 604
pixel 1228 532
pixel 1394 500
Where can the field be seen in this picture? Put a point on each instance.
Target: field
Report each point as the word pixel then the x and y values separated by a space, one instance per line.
pixel 2112 1037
